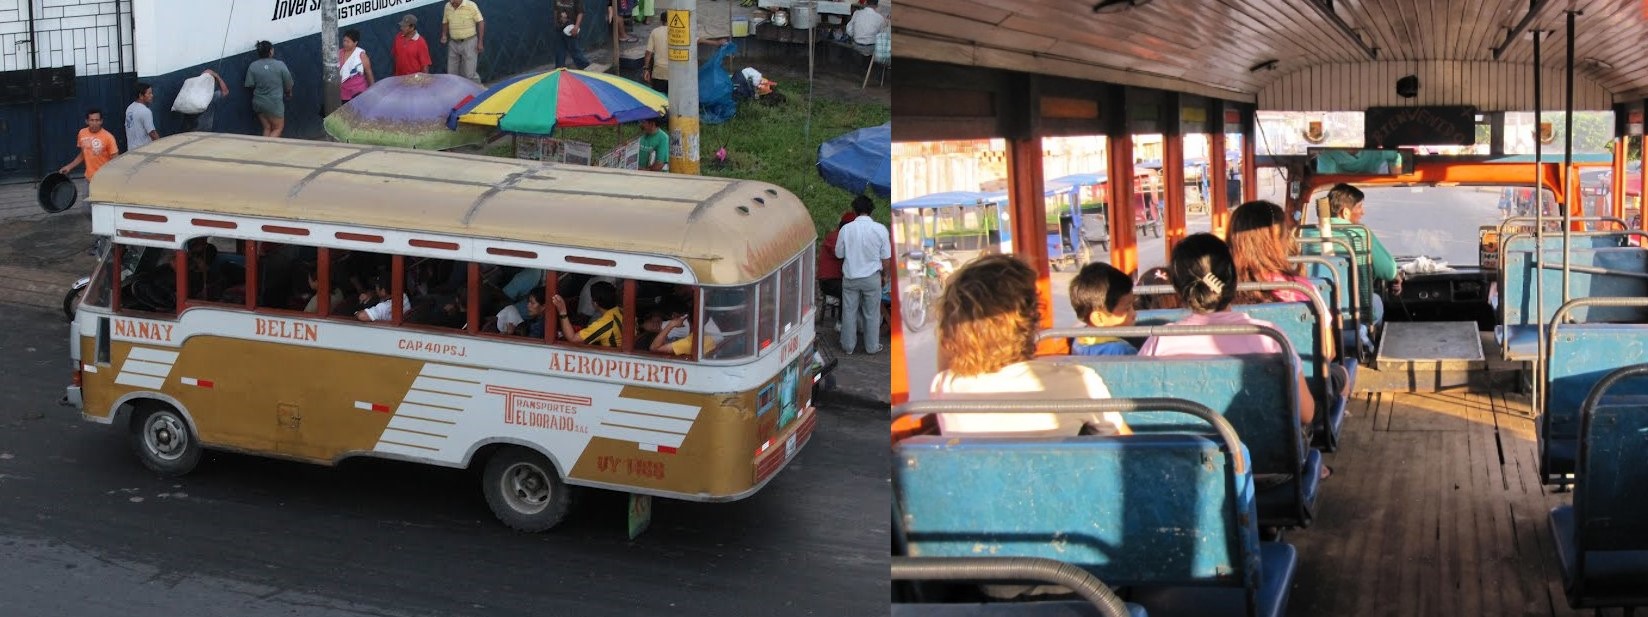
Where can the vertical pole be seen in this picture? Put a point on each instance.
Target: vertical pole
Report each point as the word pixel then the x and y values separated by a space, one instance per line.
pixel 1025 187
pixel 1616 189
pixel 683 94
pixel 1642 180
pixel 1217 168
pixel 1173 174
pixel 1570 180
pixel 1538 257
pixel 331 97
pixel 617 18
pixel 1250 166
pixel 1124 234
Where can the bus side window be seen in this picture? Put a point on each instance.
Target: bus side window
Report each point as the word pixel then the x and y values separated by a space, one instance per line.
pixel 767 317
pixel 438 289
pixel 217 271
pixel 151 286
pixel 727 309
pixel 789 300
pixel 282 276
pixel 99 294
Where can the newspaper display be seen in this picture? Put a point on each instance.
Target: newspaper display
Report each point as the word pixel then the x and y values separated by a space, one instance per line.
pixel 626 156
pixel 553 150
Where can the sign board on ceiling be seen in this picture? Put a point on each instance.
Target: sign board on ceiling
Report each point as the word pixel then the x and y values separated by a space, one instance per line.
pixel 1390 127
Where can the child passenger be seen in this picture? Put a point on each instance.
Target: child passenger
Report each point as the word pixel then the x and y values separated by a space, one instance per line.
pixel 1204 274
pixel 1102 297
pixel 987 324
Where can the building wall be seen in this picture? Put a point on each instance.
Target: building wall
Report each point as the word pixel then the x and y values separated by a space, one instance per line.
pixel 85 34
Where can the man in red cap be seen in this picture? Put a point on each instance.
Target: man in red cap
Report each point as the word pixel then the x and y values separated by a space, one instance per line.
pixel 829 266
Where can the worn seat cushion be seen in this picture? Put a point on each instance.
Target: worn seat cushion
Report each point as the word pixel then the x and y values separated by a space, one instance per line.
pixel 1612 578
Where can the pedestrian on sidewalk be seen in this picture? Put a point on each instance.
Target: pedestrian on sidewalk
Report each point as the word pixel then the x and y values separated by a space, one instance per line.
pixel 271 84
pixel 203 121
pixel 96 147
pixel 866 252
pixel 644 10
pixel 354 68
pixel 463 32
pixel 410 51
pixel 655 66
pixel 569 21
pixel 140 128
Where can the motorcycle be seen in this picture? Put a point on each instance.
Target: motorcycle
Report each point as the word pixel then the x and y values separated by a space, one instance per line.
pixel 926 274
pixel 71 300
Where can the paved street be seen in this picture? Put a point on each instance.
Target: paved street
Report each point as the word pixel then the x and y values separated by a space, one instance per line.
pixel 87 531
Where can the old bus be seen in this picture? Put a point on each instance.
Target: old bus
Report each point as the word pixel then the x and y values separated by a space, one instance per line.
pixel 245 306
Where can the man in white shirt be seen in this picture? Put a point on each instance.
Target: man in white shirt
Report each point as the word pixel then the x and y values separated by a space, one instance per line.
pixel 866 22
pixel 866 251
pixel 140 128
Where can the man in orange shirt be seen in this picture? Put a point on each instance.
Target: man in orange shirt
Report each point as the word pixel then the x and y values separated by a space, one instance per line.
pixel 96 145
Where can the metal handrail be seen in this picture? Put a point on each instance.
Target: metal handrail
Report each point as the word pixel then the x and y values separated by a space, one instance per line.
pixel 1032 569
pixel 1227 433
pixel 1355 280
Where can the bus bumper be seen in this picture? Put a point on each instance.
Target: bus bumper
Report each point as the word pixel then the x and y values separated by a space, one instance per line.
pixel 71 398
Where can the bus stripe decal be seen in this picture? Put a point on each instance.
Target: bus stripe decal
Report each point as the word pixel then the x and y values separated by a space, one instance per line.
pixel 152 355
pixel 648 423
pixel 433 412
pixel 655 408
pixel 445 386
pixel 454 373
pixel 652 447
pixel 436 399
pixel 382 442
pixel 141 381
pixel 365 406
pixel 146 368
pixel 403 414
pixel 620 433
pixel 392 427
pixel 199 383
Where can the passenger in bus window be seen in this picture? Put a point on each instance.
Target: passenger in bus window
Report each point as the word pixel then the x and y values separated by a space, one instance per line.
pixel 987 342
pixel 1204 273
pixel 314 294
pixel 376 303
pixel 1261 243
pixel 586 303
pixel 606 330
pixel 533 326
pixel 675 335
pixel 1102 297
pixel 1155 276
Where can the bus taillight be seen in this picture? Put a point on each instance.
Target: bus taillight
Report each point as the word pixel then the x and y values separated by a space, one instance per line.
pixel 75 380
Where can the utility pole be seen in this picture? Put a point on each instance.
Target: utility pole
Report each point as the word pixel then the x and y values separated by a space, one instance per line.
pixel 683 92
pixel 331 96
pixel 617 19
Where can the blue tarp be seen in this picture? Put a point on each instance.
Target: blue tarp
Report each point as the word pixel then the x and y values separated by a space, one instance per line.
pixel 858 159
pixel 715 102
pixel 940 200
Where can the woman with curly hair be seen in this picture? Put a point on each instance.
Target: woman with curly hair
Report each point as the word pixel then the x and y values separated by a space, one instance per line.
pixel 1260 243
pixel 987 324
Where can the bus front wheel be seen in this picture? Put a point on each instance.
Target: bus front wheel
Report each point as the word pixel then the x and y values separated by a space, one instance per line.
pixel 524 490
pixel 163 441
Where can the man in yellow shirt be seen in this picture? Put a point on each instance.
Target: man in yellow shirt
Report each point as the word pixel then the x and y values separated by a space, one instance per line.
pixel 607 330
pixel 656 65
pixel 463 31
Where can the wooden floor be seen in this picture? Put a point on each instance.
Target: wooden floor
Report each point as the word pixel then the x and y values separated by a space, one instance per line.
pixel 1434 508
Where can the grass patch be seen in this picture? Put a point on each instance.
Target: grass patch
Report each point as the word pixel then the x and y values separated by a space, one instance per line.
pixel 769 144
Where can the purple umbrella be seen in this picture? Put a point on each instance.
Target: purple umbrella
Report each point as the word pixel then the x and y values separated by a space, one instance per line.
pixel 407 111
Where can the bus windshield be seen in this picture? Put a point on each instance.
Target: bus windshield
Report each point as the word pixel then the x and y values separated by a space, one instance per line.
pixel 1440 222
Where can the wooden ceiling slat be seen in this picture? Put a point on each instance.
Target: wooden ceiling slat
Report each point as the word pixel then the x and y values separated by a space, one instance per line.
pixel 1376 27
pixel 1323 39
pixel 970 30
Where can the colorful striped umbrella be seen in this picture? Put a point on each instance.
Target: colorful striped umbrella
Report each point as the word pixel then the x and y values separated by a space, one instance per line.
pixel 537 103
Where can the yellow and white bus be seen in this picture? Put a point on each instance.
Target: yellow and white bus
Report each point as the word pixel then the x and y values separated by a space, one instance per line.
pixel 245 306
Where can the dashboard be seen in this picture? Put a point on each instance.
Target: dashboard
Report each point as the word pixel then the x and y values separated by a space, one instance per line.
pixel 1460 295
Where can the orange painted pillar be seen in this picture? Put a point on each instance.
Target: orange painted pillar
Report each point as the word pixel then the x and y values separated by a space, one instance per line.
pixel 900 381
pixel 1026 194
pixel 1642 187
pixel 1218 185
pixel 1616 189
pixel 1173 174
pixel 1575 201
pixel 1250 167
pixel 1124 238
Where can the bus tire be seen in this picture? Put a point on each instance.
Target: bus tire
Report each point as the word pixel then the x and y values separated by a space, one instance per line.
pixel 524 490
pixel 162 439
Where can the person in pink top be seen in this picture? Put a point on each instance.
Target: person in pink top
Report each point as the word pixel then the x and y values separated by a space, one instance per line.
pixel 987 324
pixel 1260 243
pixel 1204 273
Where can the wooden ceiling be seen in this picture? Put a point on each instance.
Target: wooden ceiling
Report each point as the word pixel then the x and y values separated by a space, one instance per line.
pixel 1208 47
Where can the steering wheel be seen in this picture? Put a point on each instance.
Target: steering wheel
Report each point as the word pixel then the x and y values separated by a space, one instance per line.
pixel 154 295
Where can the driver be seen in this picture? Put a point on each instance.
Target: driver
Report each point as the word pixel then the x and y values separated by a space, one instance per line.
pixel 1346 201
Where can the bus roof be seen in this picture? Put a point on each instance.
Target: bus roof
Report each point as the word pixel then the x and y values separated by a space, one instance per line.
pixel 730 232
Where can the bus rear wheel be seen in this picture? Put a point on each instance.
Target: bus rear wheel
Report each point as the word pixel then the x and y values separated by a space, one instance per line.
pixel 163 441
pixel 524 490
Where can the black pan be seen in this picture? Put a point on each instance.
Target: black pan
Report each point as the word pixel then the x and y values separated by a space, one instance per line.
pixel 57 193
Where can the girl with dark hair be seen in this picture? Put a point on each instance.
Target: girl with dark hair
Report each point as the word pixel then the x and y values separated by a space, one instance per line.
pixel 1154 276
pixel 1260 244
pixel 987 324
pixel 1204 273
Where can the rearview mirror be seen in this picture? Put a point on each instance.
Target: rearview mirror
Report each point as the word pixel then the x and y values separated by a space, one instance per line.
pixel 1362 161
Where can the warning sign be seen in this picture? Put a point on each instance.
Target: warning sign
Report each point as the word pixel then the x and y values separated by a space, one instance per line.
pixel 679 34
pixel 680 55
